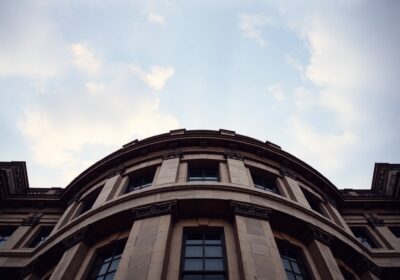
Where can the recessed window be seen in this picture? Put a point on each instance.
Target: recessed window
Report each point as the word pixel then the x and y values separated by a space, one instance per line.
pixel 313 201
pixel 5 233
pixel 107 261
pixel 89 200
pixel 203 254
pixel 264 181
pixel 293 261
pixel 40 237
pixel 364 237
pixel 139 181
pixel 395 231
pixel 206 171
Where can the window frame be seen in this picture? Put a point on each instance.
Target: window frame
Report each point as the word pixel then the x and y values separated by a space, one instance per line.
pixel 304 261
pixel 88 199
pixel 372 239
pixel 203 230
pixel 203 165
pixel 114 247
pixel 33 242
pixel 265 176
pixel 313 199
pixel 140 174
pixel 4 236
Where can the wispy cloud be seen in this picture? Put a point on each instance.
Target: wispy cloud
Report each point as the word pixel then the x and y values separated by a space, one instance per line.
pixel 156 77
pixel 277 92
pixel 250 26
pixel 156 18
pixel 85 59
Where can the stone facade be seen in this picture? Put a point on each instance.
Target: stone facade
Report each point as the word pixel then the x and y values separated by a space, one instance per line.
pixel 199 205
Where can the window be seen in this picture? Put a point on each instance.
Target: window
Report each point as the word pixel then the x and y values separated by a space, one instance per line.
pixel 40 237
pixel 5 233
pixel 89 200
pixel 292 260
pixel 395 231
pixel 264 182
pixel 106 261
pixel 313 201
pixel 203 254
pixel 364 237
pixel 140 181
pixel 203 172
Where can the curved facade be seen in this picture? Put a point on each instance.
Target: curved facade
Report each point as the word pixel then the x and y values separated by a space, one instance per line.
pixel 199 205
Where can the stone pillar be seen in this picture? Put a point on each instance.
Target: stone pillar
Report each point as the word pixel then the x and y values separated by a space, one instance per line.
pixel 237 172
pixel 337 217
pixel 145 254
pixel 295 191
pixel 108 190
pixel 182 172
pixel 258 254
pixel 386 233
pixel 70 263
pixel 66 216
pixel 168 172
pixel 318 245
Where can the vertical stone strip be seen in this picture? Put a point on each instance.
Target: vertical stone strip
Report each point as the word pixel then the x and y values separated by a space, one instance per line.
pixel 66 216
pixel 324 261
pixel 295 191
pixel 237 172
pixel 168 172
pixel 144 256
pixel 182 172
pixel 108 190
pixel 70 263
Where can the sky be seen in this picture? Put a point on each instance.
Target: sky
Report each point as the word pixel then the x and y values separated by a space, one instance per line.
pixel 78 79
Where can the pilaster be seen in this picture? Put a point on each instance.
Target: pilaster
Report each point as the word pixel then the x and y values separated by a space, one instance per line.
pixel 169 170
pixel 237 171
pixel 108 190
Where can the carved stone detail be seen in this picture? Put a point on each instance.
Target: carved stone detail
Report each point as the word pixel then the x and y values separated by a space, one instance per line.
pixel 31 221
pixel 287 173
pixel 175 154
pixel 233 155
pixel 250 211
pixel 375 222
pixel 154 210
pixel 314 233
pixel 85 235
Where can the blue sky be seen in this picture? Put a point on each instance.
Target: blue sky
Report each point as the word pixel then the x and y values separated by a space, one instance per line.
pixel 78 79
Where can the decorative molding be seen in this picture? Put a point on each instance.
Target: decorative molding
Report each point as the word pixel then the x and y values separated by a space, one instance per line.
pixel 175 154
pixel 154 210
pixel 248 210
pixel 233 155
pixel 85 235
pixel 287 173
pixel 314 233
pixel 376 222
pixel 31 221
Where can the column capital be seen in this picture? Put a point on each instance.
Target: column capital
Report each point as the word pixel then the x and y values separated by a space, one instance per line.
pixel 170 155
pixel 248 210
pixel 233 155
pixel 314 233
pixel 85 235
pixel 154 210
pixel 287 173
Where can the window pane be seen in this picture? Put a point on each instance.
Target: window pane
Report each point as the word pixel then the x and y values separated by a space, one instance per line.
pixel 109 276
pixel 103 269
pixel 214 277
pixel 213 251
pixel 212 238
pixel 193 264
pixel 295 267
pixel 193 277
pixel 286 264
pixel 214 264
pixel 114 265
pixel 290 276
pixel 194 251
pixel 194 238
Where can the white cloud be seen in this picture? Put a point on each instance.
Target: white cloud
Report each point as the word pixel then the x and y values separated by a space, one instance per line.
pixel 156 18
pixel 157 77
pixel 303 98
pixel 85 59
pixel 95 87
pixel 251 25
pixel 325 150
pixel 277 92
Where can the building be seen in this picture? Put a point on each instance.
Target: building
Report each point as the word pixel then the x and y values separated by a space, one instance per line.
pixel 199 205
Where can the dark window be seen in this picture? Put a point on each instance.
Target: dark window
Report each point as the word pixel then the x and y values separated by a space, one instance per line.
pixel 89 200
pixel 106 261
pixel 292 260
pixel 347 275
pixel 203 255
pixel 5 233
pixel 363 236
pixel 264 182
pixel 40 237
pixel 313 201
pixel 140 181
pixel 203 173
pixel 395 231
